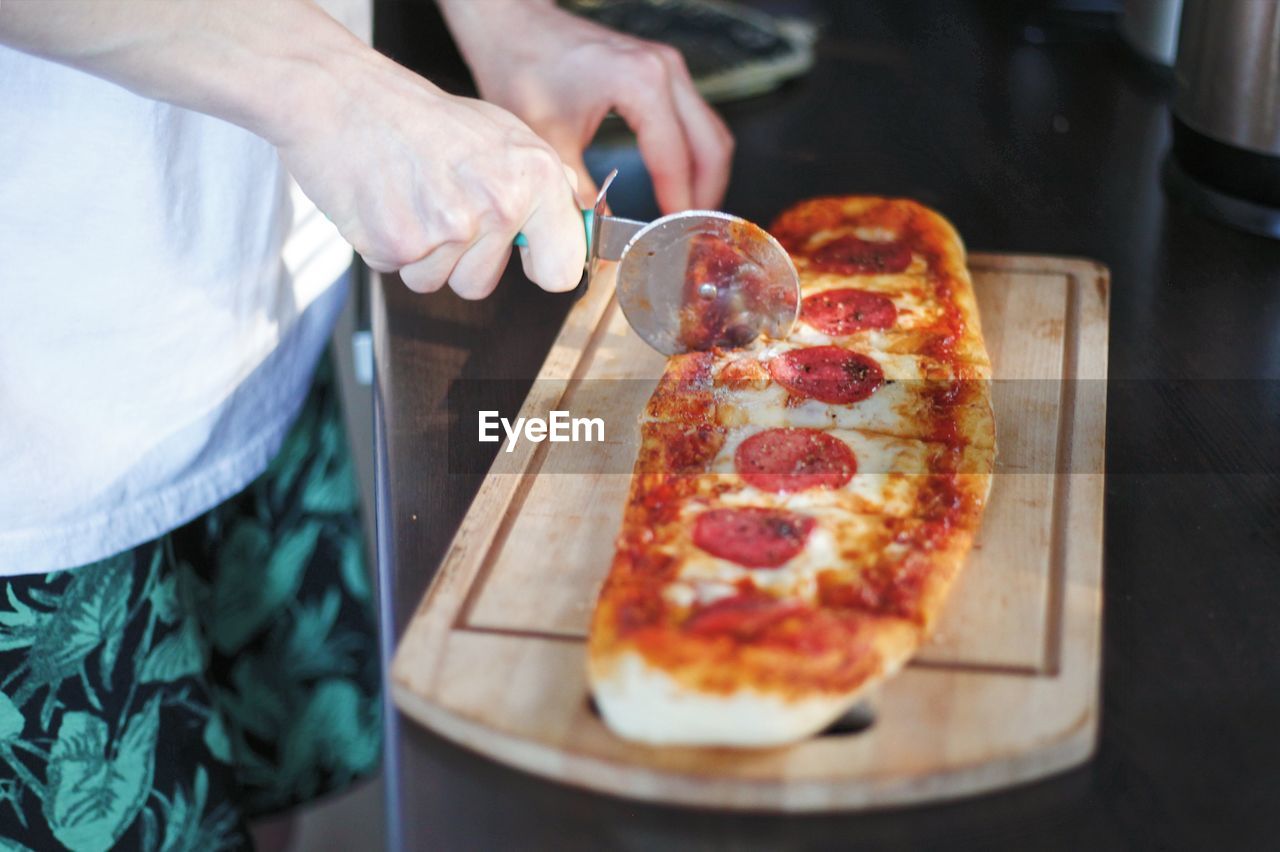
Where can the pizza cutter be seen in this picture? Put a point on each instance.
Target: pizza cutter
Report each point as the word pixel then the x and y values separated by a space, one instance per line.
pixel 695 280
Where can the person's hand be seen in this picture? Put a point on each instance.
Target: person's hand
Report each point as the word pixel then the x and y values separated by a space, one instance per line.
pixel 417 180
pixel 562 75
pixel 434 185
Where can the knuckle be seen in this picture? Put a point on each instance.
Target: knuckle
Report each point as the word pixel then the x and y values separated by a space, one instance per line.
pixel 404 250
pixel 548 165
pixel 505 208
pixel 364 246
pixel 400 240
pixel 527 156
pixel 508 204
pixel 390 252
pixel 649 67
pixel 453 224
pixel 540 169
pixel 671 57
pixel 506 212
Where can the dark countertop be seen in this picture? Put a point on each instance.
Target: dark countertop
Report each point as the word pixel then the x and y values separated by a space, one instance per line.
pixel 1034 133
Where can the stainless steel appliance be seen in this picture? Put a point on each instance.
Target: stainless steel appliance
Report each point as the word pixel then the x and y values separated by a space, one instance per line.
pixel 1226 125
pixel 1151 28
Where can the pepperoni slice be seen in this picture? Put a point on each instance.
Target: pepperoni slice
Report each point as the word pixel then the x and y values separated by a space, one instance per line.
pixel 844 311
pixel 849 255
pixel 743 615
pixel 753 537
pixel 827 373
pixel 787 460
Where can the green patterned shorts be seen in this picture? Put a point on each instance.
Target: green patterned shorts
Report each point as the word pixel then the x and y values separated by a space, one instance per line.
pixel 160 698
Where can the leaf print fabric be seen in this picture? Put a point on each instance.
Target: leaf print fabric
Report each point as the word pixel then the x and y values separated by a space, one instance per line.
pixel 159 699
pixel 96 787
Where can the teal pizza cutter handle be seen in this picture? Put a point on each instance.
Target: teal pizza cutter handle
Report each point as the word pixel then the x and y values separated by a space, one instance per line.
pixel 593 220
pixel 588 222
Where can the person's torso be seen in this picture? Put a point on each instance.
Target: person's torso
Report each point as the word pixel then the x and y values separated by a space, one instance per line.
pixel 154 263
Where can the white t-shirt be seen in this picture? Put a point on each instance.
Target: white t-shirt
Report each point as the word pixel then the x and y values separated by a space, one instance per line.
pixel 165 291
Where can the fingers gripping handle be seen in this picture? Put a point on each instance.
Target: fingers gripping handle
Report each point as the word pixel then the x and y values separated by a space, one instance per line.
pixel 588 219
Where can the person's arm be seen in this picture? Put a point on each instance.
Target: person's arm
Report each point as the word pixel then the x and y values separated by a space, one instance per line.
pixel 562 75
pixel 416 179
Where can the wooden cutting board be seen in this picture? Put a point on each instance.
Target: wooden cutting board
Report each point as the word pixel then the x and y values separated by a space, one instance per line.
pixel 1005 692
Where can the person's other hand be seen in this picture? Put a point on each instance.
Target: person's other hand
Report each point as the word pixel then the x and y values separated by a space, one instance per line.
pixel 562 75
pixel 434 185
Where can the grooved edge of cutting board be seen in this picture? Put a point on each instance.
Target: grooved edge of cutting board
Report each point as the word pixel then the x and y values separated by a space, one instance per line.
pixel 1005 692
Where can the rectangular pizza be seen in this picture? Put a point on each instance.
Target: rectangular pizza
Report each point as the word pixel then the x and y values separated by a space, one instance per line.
pixel 800 508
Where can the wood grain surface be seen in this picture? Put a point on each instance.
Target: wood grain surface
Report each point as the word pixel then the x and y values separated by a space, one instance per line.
pixel 1006 690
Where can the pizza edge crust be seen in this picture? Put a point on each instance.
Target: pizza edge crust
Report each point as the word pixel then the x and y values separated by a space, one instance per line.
pixel 646 703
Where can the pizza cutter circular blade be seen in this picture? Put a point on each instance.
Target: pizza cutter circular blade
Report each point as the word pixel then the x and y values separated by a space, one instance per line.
pixel 702 279
pixel 696 280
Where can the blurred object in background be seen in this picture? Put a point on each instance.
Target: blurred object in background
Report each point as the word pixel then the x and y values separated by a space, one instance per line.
pixel 1226 113
pixel 1090 7
pixel 1151 28
pixel 732 51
